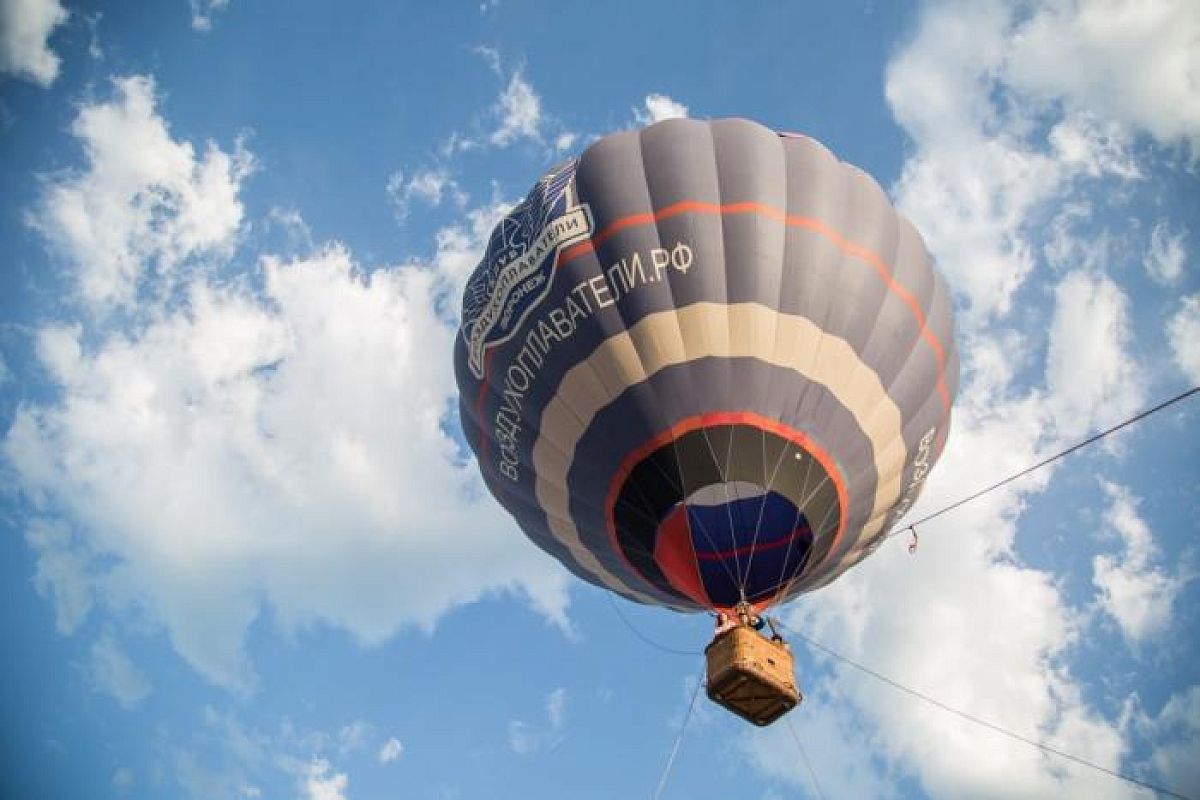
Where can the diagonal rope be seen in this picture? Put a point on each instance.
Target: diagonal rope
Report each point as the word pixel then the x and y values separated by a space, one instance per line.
pixel 984 723
pixel 812 773
pixel 818 533
pixel 1061 454
pixel 666 773
pixel 633 629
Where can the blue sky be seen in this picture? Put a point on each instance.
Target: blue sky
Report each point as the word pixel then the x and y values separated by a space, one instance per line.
pixel 246 554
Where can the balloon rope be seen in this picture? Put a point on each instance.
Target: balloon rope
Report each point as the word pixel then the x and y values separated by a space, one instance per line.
pixel 681 488
pixel 1079 445
pixel 982 722
pixel 666 773
pixel 812 773
pixel 818 533
pixel 724 473
pixel 762 507
pixel 643 636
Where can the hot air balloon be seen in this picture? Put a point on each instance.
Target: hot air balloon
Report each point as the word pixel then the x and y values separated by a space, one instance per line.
pixel 706 366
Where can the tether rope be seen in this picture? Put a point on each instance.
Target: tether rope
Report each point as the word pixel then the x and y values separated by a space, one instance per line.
pixel 983 722
pixel 644 637
pixel 666 773
pixel 1062 453
pixel 812 773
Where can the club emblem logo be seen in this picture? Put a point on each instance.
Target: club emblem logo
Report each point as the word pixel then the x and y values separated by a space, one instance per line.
pixel 518 265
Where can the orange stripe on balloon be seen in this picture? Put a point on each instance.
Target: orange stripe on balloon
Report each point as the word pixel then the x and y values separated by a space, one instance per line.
pixel 792 221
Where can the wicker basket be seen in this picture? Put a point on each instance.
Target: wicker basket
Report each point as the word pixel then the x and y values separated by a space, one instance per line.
pixel 752 676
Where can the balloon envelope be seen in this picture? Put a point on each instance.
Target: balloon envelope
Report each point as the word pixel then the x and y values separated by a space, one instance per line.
pixel 706 362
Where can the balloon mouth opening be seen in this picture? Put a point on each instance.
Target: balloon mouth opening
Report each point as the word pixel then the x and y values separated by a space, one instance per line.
pixel 727 540
pixel 725 507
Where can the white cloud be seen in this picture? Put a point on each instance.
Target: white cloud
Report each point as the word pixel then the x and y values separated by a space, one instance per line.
pixel 429 186
pixel 203 12
pixel 835 742
pixel 1094 148
pixel 1092 378
pixel 390 751
pixel 1183 332
pixel 657 107
pixel 525 738
pixel 1006 130
pixel 287 450
pixel 565 141
pixel 279 443
pixel 519 113
pixel 295 229
pixel 556 708
pixel 1137 595
pixel 322 783
pixel 223 757
pixel 965 620
pixel 1127 60
pixel 354 736
pixel 93 25
pixel 971 184
pixel 1167 255
pixel 112 672
pixel 145 204
pixel 63 569
pixel 1175 731
pixel 25 27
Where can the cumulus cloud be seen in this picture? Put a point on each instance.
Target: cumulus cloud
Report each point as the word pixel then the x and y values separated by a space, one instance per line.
pixel 289 449
pixel 516 116
pixel 144 203
pixel 112 672
pixel 203 12
pixel 518 112
pixel 1089 372
pixel 428 186
pixel 1002 107
pixel 963 621
pixel 354 736
pixel 25 27
pixel 1166 256
pixel 63 572
pixel 1183 333
pixel 1176 732
pixel 657 107
pixel 525 738
pixel 323 783
pixel 1129 61
pixel 281 443
pixel 1133 592
pixel 995 158
pixel 390 751
pixel 222 756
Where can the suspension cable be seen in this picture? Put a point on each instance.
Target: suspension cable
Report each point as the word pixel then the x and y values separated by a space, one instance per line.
pixel 984 723
pixel 666 773
pixel 1062 453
